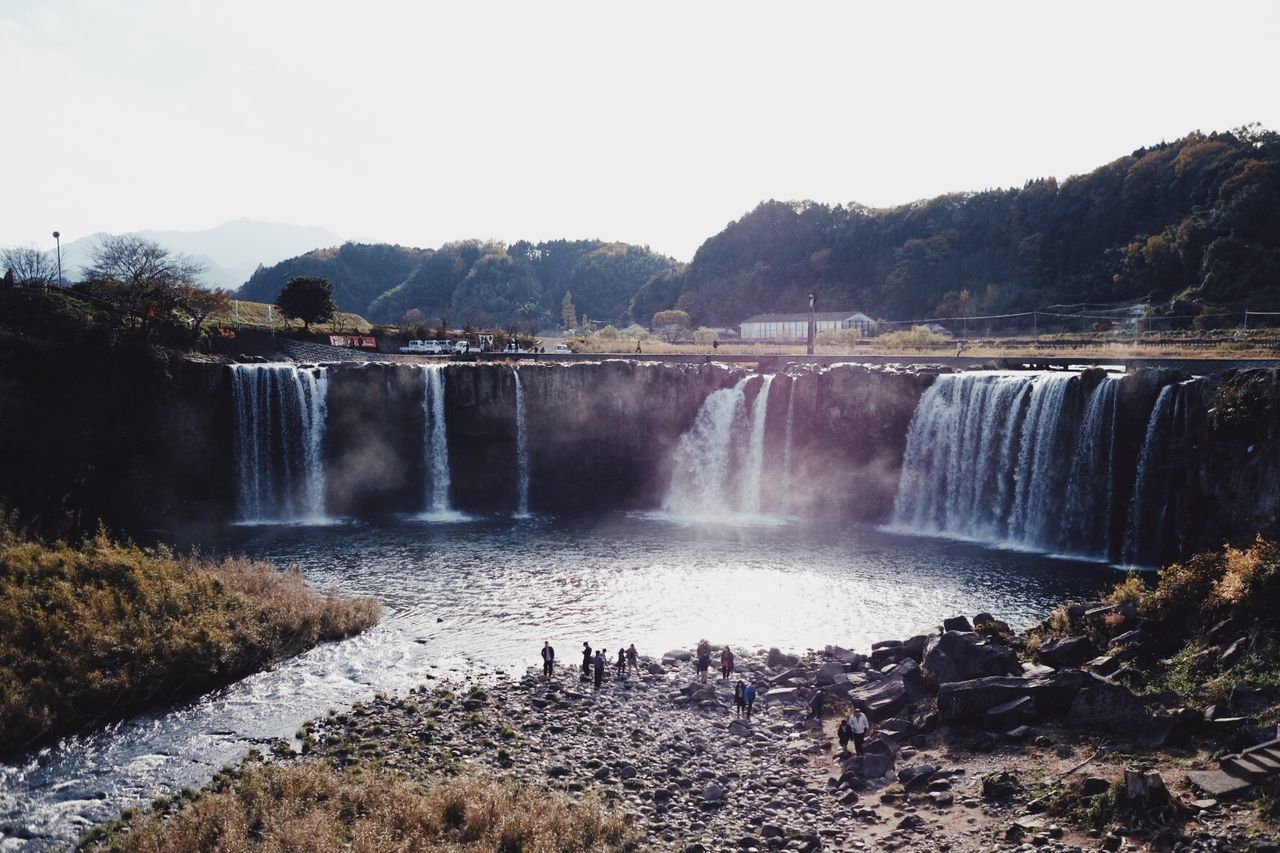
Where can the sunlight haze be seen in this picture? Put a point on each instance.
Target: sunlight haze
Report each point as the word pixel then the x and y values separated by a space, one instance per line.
pixel 654 124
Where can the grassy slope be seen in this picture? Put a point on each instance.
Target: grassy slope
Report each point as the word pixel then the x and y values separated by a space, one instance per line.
pixel 103 630
pixel 255 314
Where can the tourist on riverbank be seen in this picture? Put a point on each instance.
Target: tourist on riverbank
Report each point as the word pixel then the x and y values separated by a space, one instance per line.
pixel 622 663
pixel 844 733
pixel 726 663
pixel 816 702
pixel 599 668
pixel 548 660
pixel 633 659
pixel 749 697
pixel 739 701
pixel 859 725
pixel 586 661
pixel 704 660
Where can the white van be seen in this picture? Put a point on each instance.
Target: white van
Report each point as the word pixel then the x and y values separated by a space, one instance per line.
pixel 563 349
pixel 424 347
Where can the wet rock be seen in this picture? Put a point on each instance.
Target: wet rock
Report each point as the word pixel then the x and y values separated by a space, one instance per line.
pixel 956 623
pixel 962 656
pixel 1061 652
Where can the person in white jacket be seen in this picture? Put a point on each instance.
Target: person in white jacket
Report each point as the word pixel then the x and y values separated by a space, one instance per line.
pixel 859 725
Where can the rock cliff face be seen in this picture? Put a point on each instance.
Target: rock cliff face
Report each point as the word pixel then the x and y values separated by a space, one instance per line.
pixel 145 440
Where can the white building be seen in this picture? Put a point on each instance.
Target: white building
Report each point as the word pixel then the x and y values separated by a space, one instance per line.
pixel 781 327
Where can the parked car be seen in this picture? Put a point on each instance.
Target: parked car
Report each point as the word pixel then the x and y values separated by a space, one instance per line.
pixel 426 347
pixel 563 349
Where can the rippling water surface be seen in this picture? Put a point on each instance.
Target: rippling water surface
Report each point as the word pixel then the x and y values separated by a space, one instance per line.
pixel 481 594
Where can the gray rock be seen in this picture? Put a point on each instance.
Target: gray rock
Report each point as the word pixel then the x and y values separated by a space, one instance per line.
pixel 881 699
pixel 957 623
pixel 1061 652
pixel 869 766
pixel 1011 714
pixel 1104 706
pixel 778 658
pixel 962 656
pixel 713 794
pixel 970 700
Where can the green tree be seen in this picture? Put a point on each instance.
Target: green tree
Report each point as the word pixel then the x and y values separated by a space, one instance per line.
pixel 568 314
pixel 308 298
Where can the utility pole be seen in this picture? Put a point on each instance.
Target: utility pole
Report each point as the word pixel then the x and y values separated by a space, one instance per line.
pixel 812 325
pixel 58 239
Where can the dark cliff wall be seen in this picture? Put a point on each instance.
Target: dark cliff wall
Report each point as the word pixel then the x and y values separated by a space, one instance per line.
pixel 132 436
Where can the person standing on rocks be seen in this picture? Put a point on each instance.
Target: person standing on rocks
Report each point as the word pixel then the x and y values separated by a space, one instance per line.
pixel 739 701
pixel 599 668
pixel 548 660
pixel 859 725
pixel 622 663
pixel 704 660
pixel 586 661
pixel 749 697
pixel 844 733
pixel 726 663
pixel 815 706
pixel 633 659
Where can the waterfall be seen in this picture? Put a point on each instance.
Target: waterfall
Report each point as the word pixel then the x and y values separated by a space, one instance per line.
pixel 436 443
pixel 984 457
pixel 786 438
pixel 1149 535
pixel 279 442
pixel 1090 502
pixel 703 457
pixel 754 469
pixel 522 449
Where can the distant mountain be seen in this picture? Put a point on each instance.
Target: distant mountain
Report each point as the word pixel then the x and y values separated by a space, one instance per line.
pixel 230 251
pixel 522 285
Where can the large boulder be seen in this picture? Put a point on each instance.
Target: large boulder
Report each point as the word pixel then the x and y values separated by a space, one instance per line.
pixel 888 652
pixel 964 655
pixel 1061 652
pixel 869 766
pixel 881 699
pixel 778 658
pixel 969 701
pixel 1105 706
pixel 828 672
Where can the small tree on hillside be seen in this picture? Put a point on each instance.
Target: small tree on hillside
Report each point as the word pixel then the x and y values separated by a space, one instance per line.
pixel 29 267
pixel 142 279
pixel 308 298
pixel 568 314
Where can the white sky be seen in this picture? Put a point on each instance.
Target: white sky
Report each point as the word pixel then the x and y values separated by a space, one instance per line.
pixel 653 123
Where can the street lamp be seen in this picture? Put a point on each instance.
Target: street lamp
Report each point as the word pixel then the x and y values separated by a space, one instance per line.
pixel 812 326
pixel 58 239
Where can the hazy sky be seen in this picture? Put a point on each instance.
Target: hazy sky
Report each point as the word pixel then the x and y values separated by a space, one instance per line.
pixel 653 123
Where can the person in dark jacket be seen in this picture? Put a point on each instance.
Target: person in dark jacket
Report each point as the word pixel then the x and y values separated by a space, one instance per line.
pixel 586 661
pixel 548 660
pixel 749 696
pixel 622 663
pixel 726 663
pixel 633 658
pixel 599 668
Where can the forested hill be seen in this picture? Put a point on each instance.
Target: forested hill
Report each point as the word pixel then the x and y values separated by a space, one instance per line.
pixel 474 282
pixel 1194 222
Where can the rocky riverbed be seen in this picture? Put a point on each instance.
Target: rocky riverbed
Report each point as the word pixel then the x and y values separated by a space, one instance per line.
pixel 971 750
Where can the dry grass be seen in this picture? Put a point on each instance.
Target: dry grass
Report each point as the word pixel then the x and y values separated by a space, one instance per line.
pixel 105 629
pixel 255 314
pixel 309 806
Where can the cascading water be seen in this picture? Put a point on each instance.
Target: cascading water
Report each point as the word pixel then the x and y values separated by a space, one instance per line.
pixel 753 471
pixel 983 459
pixel 1090 502
pixel 280 423
pixel 786 438
pixel 436 443
pixel 522 450
pixel 703 461
pixel 1154 490
pixel 720 460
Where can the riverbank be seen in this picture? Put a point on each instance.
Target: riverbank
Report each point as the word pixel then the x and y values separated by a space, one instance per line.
pixel 982 739
pixel 106 629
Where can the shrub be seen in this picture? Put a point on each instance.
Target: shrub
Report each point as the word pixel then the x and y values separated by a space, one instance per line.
pixel 105 629
pixel 916 337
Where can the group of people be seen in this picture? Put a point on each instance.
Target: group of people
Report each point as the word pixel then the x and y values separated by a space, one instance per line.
pixel 704 661
pixel 593 663
pixel 852 728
